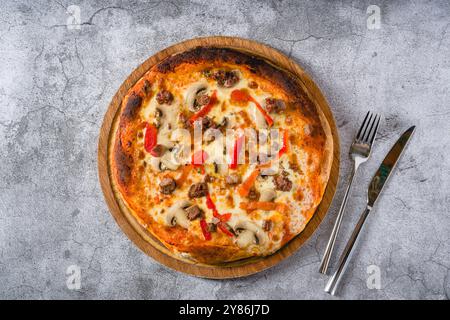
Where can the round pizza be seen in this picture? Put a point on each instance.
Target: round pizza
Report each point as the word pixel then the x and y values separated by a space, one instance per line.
pixel 220 155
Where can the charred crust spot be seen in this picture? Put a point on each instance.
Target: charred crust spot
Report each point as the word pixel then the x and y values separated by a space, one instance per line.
pixel 123 164
pixel 132 106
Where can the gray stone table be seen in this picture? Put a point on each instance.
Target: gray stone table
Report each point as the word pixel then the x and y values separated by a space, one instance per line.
pixel 57 78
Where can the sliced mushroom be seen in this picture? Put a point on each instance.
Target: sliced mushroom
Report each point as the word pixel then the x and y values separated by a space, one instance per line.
pixel 192 92
pixel 156 164
pixel 249 234
pixel 177 214
pixel 267 195
pixel 169 161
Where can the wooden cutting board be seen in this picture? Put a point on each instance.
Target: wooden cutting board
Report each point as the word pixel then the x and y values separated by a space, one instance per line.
pixel 140 236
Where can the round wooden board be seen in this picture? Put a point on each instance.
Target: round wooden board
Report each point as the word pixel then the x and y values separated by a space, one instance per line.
pixel 140 236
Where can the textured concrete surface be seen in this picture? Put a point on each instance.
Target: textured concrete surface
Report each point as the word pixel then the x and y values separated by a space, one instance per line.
pixel 56 83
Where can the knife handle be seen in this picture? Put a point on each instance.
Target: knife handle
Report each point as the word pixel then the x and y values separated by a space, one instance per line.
pixel 336 277
pixel 337 224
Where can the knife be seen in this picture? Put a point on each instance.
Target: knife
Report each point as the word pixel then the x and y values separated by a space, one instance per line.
pixel 375 187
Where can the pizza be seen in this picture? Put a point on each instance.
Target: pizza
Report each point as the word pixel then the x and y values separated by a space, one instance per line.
pixel 220 155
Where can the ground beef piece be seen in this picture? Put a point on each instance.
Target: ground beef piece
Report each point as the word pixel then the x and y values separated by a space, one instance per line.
pixel 232 179
pixel 164 97
pixel 194 212
pixel 275 105
pixel 282 183
pixel 208 178
pixel 253 194
pixel 226 79
pixel 167 185
pixel 198 190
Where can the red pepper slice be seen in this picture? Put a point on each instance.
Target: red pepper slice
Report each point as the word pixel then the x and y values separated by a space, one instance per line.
pixel 205 231
pixel 198 159
pixel 210 204
pixel 150 139
pixel 285 146
pixel 224 229
pixel 242 96
pixel 204 111
pixel 237 148
pixel 269 120
pixel 225 217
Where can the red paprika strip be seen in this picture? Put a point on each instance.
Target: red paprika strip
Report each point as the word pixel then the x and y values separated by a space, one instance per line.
pixel 198 159
pixel 225 217
pixel 210 204
pixel 285 146
pixel 242 96
pixel 150 139
pixel 224 229
pixel 244 187
pixel 206 109
pixel 205 231
pixel 236 150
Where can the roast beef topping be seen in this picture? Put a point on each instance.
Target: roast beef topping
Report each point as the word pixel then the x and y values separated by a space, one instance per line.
pixel 267 225
pixel 282 182
pixel 158 150
pixel 194 212
pixel 198 190
pixel 225 79
pixel 164 97
pixel 253 194
pixel 232 179
pixel 167 185
pixel 275 105
pixel 252 85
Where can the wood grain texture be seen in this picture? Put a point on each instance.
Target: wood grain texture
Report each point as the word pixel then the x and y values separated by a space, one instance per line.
pixel 140 236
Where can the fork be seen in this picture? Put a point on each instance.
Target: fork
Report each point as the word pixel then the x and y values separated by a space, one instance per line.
pixel 359 152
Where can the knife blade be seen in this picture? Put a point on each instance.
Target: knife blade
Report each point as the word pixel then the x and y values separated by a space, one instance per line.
pixel 375 187
pixel 384 171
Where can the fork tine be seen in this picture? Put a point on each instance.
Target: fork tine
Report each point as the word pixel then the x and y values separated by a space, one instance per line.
pixel 375 131
pixel 366 128
pixel 358 136
pixel 369 132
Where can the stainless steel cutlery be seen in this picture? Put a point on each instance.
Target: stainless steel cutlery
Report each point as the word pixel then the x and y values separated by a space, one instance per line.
pixel 375 187
pixel 359 153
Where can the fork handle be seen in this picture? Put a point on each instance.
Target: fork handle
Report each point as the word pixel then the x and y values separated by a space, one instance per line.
pixel 336 277
pixel 337 225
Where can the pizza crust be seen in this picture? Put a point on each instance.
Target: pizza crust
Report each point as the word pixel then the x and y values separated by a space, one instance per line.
pixel 125 156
